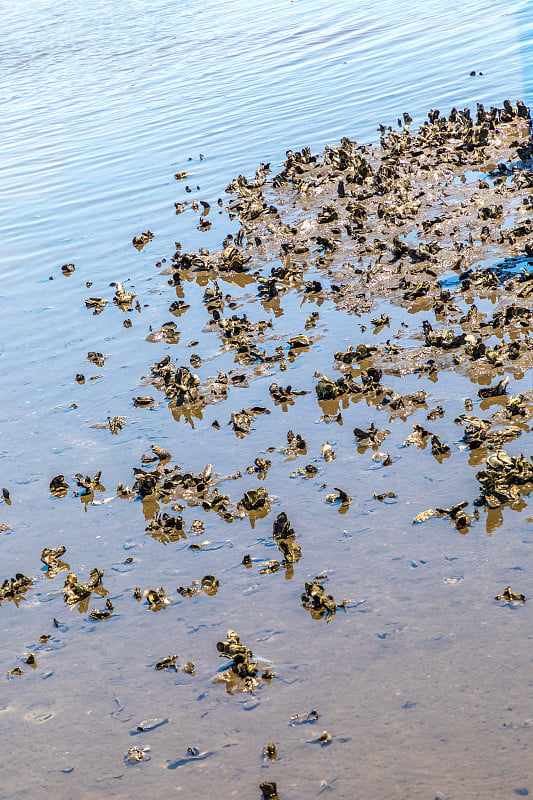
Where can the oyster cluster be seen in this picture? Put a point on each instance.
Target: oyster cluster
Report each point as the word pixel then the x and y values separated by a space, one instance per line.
pixel 425 223
pixel 243 671
pixel 318 602
pixel 15 588
pixel 504 478
pixel 75 592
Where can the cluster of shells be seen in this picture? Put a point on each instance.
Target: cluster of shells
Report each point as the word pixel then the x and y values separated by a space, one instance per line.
pixel 431 221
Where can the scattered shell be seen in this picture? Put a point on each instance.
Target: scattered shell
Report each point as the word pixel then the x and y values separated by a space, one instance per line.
pixel 96 358
pixel 58 486
pixel 123 298
pixel 96 303
pixel 75 592
pixel 341 496
pixel 98 614
pixel 269 790
pixel 510 597
pixel 148 725
pixel 270 752
pixel 327 452
pixel 51 557
pixel 143 401
pixel 157 598
pixel 116 424
pixel 317 602
pixel 169 662
pixel 135 755
pixel 140 241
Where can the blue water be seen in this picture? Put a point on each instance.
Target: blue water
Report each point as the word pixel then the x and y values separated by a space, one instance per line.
pixel 102 102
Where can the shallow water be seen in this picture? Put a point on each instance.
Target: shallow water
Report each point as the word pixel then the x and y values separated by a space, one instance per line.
pixel 424 686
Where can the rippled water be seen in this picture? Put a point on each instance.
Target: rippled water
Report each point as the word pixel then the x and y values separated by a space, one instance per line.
pixel 101 104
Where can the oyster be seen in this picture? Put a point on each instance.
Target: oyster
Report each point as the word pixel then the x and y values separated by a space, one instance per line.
pixel 135 755
pixel 96 358
pixel 341 495
pixel 123 298
pixel 255 499
pixel 169 662
pixel 15 588
pixel 371 436
pixel 140 241
pixel 270 752
pixel 269 790
pixel 75 592
pixel 439 448
pixel 143 401
pixel 157 598
pixel 510 597
pixel 495 391
pixel 58 486
pixel 317 602
pixel 98 614
pixel 285 538
pixel 97 304
pixel 51 557
pixel 327 452
pixel 116 424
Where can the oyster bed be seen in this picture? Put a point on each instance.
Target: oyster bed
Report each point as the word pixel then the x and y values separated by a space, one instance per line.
pixel 335 467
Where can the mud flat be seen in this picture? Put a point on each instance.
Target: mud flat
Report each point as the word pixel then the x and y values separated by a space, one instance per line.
pixel 333 458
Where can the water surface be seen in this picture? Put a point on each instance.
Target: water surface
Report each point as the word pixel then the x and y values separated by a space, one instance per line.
pixel 102 103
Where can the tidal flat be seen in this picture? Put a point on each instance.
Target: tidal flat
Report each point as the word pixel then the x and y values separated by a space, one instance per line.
pixel 286 532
